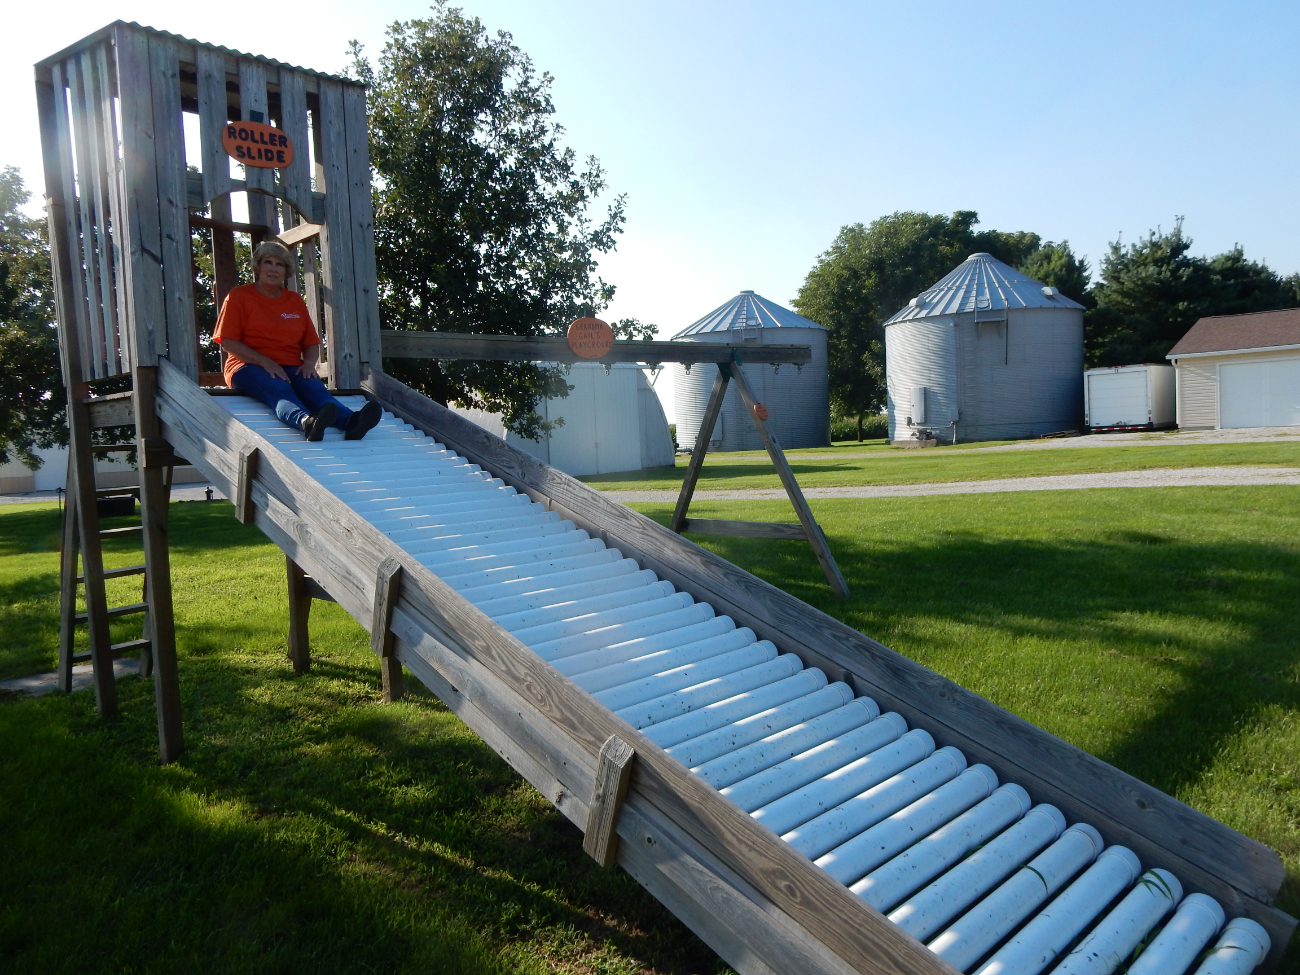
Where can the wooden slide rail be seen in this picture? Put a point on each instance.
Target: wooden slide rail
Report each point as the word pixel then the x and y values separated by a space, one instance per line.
pixel 761 905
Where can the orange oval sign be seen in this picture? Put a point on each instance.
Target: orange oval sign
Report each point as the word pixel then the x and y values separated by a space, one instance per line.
pixel 590 338
pixel 760 411
pixel 256 144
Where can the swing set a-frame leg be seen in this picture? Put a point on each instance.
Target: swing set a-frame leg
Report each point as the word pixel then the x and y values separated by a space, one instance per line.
pixel 807 528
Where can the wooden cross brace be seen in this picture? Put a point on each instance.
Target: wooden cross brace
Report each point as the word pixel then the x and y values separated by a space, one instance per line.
pixel 807 528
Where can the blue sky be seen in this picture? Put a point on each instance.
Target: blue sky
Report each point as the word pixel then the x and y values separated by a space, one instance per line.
pixel 746 134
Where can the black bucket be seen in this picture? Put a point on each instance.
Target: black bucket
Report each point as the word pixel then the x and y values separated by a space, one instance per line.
pixel 116 505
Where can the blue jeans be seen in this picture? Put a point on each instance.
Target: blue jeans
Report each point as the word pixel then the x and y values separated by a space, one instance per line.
pixel 300 397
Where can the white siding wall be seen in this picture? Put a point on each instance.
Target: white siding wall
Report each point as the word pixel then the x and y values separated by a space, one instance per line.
pixel 1198 393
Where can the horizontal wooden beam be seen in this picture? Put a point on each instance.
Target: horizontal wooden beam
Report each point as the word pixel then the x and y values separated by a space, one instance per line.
pixel 114 410
pixel 296 235
pixel 555 348
pixel 743 529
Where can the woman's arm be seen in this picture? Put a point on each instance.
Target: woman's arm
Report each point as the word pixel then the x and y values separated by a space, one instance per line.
pixel 310 358
pixel 254 358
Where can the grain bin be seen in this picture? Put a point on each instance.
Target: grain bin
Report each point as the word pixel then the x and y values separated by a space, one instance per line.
pixel 797 399
pixel 988 353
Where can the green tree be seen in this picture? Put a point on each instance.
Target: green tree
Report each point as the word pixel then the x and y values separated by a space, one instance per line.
pixel 32 400
pixel 481 216
pixel 1152 291
pixel 870 272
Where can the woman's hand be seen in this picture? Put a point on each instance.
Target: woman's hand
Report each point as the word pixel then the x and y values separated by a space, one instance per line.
pixel 310 357
pixel 255 358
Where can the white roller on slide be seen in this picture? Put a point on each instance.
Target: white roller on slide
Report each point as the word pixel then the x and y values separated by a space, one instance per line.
pixel 939 845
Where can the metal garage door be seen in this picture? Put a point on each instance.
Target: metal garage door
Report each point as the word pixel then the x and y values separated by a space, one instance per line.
pixel 1263 393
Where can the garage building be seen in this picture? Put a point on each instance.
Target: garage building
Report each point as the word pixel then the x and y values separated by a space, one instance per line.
pixel 1239 371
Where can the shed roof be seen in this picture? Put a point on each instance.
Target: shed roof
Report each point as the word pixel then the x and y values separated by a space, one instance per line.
pixel 1240 333
pixel 982 283
pixel 747 310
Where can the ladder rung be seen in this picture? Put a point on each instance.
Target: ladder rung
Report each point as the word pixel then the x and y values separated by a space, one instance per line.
pixel 108 448
pixel 121 492
pixel 117 611
pixel 126 570
pixel 130 530
pixel 115 651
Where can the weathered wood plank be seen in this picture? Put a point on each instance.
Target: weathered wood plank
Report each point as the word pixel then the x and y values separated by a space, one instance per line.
pixel 707 423
pixel 361 214
pixel 1204 853
pixel 388 586
pixel 213 114
pixel 83 110
pixel 743 529
pixel 295 179
pixel 102 151
pixel 259 183
pixel 196 201
pixel 74 317
pixel 147 320
pixel 300 597
pixel 155 491
pixel 296 235
pixel 613 772
pixel 95 352
pixel 69 552
pixel 110 152
pixel 114 410
pixel 555 348
pixel 812 530
pixel 247 472
pixel 340 297
pixel 173 214
pixel 750 933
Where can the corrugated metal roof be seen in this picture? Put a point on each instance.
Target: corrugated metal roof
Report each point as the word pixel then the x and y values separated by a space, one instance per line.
pixel 90 39
pixel 1230 333
pixel 982 283
pixel 747 310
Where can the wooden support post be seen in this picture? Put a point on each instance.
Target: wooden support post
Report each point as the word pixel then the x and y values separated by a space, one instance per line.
pixel 609 788
pixel 244 485
pixel 711 411
pixel 388 584
pixel 68 553
pixel 299 615
pixel 811 529
pixel 154 496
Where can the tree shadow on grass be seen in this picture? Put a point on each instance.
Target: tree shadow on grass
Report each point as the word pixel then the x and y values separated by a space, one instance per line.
pixel 307 827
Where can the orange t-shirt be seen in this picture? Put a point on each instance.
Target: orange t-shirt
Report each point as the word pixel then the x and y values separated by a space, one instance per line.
pixel 279 328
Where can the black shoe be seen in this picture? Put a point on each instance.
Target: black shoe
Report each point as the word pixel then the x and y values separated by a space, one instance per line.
pixel 314 426
pixel 363 421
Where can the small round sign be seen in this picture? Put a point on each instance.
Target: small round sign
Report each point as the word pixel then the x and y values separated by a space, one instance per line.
pixel 590 338
pixel 760 411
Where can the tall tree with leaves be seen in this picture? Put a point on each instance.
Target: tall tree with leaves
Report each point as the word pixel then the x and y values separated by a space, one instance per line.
pixel 1152 291
pixel 870 272
pixel 32 400
pixel 481 216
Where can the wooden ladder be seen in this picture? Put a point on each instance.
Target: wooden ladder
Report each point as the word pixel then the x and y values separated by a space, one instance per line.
pixel 82 540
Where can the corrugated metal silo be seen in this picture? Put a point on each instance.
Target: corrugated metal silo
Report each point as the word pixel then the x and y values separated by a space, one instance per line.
pixel 798 400
pixel 988 353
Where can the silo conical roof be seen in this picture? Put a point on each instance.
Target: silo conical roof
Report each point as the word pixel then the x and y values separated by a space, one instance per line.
pixel 982 283
pixel 747 310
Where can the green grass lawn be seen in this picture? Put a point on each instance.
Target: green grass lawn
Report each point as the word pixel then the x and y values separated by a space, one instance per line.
pixel 308 827
pixel 936 465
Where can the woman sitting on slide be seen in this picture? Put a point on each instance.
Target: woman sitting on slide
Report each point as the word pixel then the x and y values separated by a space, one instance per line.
pixel 272 350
